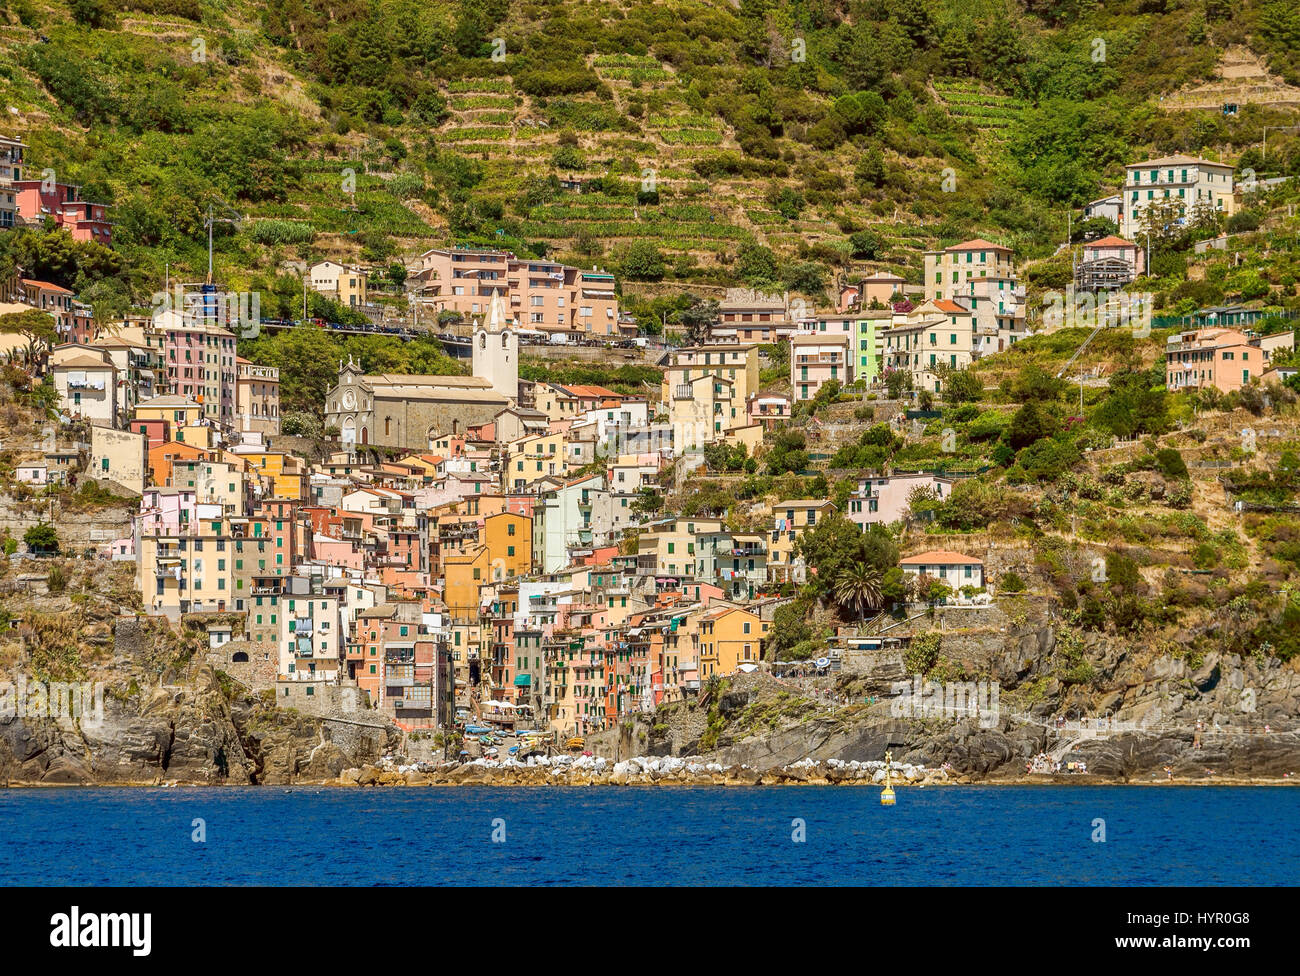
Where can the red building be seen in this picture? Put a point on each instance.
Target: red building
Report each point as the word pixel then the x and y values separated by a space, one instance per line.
pixel 85 221
pixel 156 431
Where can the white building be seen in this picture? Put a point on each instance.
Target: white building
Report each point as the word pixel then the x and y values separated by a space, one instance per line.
pixel 1184 180
pixel 954 568
pixel 87 386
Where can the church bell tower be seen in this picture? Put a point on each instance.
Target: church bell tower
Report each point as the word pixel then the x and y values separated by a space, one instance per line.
pixel 495 354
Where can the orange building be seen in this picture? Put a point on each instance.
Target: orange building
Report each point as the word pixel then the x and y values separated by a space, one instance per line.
pixel 729 637
pixel 463 575
pixel 162 457
pixel 509 541
pixel 1222 358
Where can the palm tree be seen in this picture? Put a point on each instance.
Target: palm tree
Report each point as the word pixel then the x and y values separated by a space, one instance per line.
pixel 858 588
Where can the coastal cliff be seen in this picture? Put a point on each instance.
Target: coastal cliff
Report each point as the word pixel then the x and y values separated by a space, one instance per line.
pixel 1167 716
pixel 169 717
pixel 200 733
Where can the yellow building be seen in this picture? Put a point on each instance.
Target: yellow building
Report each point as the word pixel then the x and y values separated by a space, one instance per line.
pixel 286 473
pixel 180 412
pixel 341 283
pixel 790 519
pixel 703 409
pixel 948 273
pixel 729 637
pixel 189 569
pixel 670 547
pixel 204 438
pixel 735 362
pixel 534 458
pixel 214 482
pixel 509 541
pixel 426 464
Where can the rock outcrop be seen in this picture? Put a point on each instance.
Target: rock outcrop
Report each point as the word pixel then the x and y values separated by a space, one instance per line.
pixel 191 734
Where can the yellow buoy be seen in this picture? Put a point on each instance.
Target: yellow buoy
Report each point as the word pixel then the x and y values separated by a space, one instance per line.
pixel 887 794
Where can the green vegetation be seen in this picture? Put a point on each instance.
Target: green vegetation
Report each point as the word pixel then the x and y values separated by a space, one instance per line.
pixel 376 129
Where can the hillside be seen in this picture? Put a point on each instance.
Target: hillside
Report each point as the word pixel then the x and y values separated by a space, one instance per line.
pixel 774 143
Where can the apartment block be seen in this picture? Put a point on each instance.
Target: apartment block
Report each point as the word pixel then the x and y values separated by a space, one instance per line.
pixel 1222 358
pixel 948 273
pixel 342 283
pixel 1186 181
pixel 541 296
pixel 257 397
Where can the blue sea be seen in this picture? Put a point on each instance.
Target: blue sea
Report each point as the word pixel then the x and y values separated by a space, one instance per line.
pixel 650 836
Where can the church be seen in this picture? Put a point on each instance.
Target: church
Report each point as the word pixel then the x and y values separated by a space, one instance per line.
pixel 403 411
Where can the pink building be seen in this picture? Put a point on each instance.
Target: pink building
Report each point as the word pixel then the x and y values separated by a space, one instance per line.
pixel 338 552
pixel 165 511
pixel 86 221
pixel 156 431
pixel 201 364
pixel 1115 247
pixel 768 409
pixel 885 499
pixel 542 295
pixel 72 321
pixel 1108 263
pixel 1222 358
pixel 817 359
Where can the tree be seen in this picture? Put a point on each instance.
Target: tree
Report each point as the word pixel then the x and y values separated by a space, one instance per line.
pixel 42 539
pixel 647 502
pixel 699 320
pixel 789 452
pixel 858 588
pixel 755 264
pixel 963 387
pixel 1030 423
pixel 870 170
pixel 896 381
pixel 789 628
pixel 836 545
pixel 866 246
pixel 643 262
pixel 93 13
pixel 35 326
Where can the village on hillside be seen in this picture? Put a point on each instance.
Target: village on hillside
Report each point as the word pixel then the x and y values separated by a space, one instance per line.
pixel 486 552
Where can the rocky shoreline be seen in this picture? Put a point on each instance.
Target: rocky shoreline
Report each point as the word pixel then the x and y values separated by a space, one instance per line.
pixel 692 771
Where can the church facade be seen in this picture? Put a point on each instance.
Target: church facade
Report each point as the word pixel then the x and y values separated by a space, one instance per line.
pixel 403 411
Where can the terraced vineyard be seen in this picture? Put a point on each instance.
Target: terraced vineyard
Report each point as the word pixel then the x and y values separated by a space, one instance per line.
pixel 968 102
pixel 686 124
